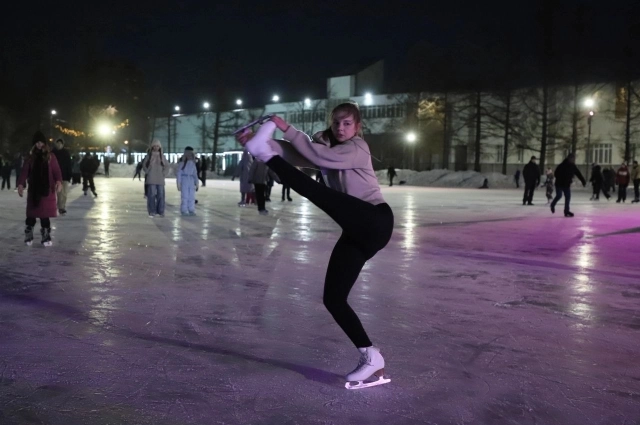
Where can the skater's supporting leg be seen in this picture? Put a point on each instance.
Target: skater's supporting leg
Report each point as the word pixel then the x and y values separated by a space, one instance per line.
pixel 260 195
pixel 160 199
pixel 191 199
pixel 151 199
pixel 346 262
pixel 559 191
pixel 567 199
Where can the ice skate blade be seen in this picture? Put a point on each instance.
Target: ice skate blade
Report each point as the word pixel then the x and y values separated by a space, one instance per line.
pixel 260 120
pixel 360 384
pixel 28 243
pixel 47 243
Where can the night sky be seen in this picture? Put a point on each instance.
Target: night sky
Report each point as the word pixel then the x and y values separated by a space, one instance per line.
pixel 255 49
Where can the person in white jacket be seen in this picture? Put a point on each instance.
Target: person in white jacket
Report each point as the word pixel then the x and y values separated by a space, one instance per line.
pixel 187 180
pixel 352 199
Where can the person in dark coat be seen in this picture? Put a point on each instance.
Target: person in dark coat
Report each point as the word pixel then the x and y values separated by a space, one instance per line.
pixel 531 174
pixel 43 174
pixel 76 174
pixel 107 163
pixel 203 170
pixel 516 177
pixel 611 180
pixel 138 171
pixel 88 167
pixel 597 181
pixel 6 167
pixel 17 166
pixel 564 176
pixel 66 168
pixel 622 178
pixel 391 173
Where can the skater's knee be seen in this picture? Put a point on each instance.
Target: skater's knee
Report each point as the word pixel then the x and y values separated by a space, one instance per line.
pixel 334 303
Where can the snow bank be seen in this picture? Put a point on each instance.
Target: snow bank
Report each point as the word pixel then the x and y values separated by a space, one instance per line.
pixel 447 178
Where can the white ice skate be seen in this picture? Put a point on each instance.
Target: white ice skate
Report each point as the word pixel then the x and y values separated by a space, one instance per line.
pixel 258 145
pixel 260 121
pixel 371 365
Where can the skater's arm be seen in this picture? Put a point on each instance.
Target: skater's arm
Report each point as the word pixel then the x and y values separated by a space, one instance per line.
pixel 56 172
pixel 285 150
pixel 345 156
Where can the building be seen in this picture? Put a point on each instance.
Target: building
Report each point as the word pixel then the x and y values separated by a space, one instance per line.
pixel 448 128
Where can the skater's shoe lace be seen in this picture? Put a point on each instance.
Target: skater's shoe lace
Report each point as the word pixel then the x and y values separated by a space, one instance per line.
pixel 369 363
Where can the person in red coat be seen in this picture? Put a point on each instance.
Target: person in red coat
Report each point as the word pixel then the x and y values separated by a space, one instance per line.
pixel 622 178
pixel 43 174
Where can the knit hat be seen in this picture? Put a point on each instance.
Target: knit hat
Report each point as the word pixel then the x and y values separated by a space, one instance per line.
pixel 156 142
pixel 38 137
pixel 188 148
pixel 60 140
pixel 188 153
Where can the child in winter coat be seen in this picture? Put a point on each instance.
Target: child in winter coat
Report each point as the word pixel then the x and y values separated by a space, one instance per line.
pixel 549 185
pixel 42 172
pixel 187 180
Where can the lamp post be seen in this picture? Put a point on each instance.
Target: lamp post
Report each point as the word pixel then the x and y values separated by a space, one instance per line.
pixel 275 98
pixel 588 155
pixel 411 139
pixel 206 106
pixel 53 112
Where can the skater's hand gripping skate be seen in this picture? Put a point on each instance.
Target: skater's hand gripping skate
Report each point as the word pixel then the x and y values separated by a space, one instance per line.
pixel 280 123
pixel 20 191
pixel 244 136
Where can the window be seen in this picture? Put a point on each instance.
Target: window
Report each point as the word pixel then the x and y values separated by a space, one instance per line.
pixel 520 154
pixel 601 154
pixel 499 154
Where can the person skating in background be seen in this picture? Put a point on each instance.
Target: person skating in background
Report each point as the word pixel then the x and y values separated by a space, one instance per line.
pixel 187 182
pixel 242 173
pixel 564 176
pixel 17 167
pixel 88 167
pixel 44 179
pixel 107 163
pixel 270 182
pixel 597 181
pixel 611 181
pixel 203 170
pixel 548 184
pixel 622 179
pixel 258 175
pixel 6 166
pixel 531 174
pixel 516 177
pixel 155 167
pixel 138 171
pixel 76 174
pixel 66 168
pixel 391 173
pixel 635 178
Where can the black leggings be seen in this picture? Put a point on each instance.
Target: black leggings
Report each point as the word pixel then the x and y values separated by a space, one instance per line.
pixel 366 229
pixel 44 222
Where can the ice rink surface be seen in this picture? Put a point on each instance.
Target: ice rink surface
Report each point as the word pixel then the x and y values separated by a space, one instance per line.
pixel 487 312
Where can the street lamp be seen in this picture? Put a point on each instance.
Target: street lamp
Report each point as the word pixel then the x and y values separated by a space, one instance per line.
pixel 307 102
pixel 177 109
pixel 368 99
pixel 588 155
pixel 589 102
pixel 275 98
pixel 206 105
pixel 411 139
pixel 239 102
pixel 53 112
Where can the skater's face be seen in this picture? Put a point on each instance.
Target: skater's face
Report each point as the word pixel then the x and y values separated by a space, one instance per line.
pixel 344 128
pixel 39 145
pixel 59 145
pixel 155 148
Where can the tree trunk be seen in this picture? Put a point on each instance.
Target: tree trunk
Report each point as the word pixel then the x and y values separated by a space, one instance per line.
pixel 574 121
pixel 216 129
pixel 545 125
pixel 505 150
pixel 476 165
pixel 445 136
pixel 627 130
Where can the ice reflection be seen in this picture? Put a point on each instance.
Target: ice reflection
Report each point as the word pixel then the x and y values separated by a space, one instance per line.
pixel 102 307
pixel 585 257
pixel 303 223
pixel 409 223
pixel 580 305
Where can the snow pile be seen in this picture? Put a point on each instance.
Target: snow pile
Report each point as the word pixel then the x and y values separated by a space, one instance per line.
pixel 447 178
